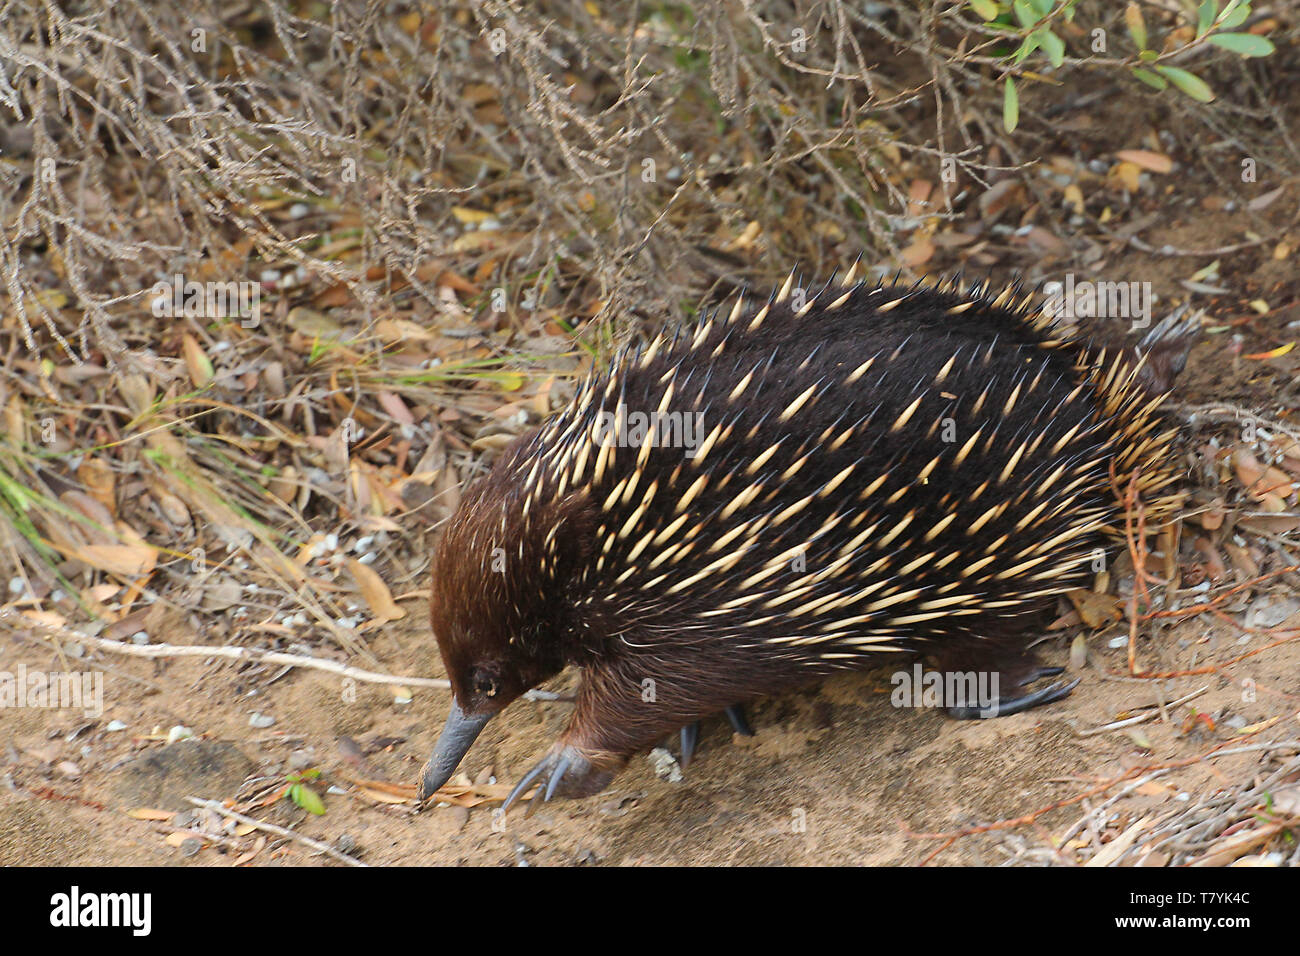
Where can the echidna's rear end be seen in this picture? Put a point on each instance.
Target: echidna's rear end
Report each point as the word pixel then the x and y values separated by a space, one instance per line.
pixel 880 469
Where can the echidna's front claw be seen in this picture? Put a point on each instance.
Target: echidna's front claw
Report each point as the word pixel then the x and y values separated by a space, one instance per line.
pixel 1016 705
pixel 564 772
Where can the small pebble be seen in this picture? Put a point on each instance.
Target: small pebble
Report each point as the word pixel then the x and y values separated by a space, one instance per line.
pixel 261 721
pixel 346 843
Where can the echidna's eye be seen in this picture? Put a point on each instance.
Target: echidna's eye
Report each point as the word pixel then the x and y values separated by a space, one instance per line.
pixel 485 684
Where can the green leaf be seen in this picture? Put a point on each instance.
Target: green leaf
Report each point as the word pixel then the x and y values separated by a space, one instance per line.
pixel 1247 44
pixel 1146 56
pixel 1027 46
pixel 307 798
pixel 1053 45
pixel 1010 107
pixel 1149 78
pixel 1137 27
pixel 1024 13
pixel 1042 7
pixel 1189 83
pixel 1205 16
pixel 986 10
pixel 1233 15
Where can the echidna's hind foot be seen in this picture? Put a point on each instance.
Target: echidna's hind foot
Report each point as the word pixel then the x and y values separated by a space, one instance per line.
pixel 1005 706
pixel 739 722
pixel 691 732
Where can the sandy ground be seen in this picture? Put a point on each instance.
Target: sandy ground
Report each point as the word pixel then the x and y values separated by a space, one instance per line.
pixel 834 775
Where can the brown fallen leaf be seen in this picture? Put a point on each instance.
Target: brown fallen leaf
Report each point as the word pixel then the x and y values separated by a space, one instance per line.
pixel 177 837
pixel 149 813
pixel 374 591
pixel 1095 610
pixel 124 560
pixel 97 475
pixel 918 253
pixel 196 361
pixel 1156 162
pixel 258 845
pixel 1227 850
pixel 379 796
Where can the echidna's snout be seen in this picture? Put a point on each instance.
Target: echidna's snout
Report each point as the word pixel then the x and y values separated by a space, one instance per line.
pixel 458 735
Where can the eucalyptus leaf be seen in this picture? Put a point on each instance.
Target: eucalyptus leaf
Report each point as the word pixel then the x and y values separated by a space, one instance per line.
pixel 1247 44
pixel 1053 46
pixel 1189 83
pixel 1233 15
pixel 1137 27
pixel 1149 78
pixel 1010 106
pixel 1205 16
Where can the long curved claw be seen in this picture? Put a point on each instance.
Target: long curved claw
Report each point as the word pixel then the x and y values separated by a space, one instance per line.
pixel 690 737
pixel 1040 672
pixel 739 722
pixel 564 772
pixel 524 784
pixel 1015 705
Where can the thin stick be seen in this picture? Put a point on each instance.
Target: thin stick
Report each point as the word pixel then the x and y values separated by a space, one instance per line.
pixel 242 654
pixel 269 657
pixel 316 845
pixel 1141 718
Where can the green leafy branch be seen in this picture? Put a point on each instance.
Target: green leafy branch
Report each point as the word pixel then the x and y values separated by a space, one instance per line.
pixel 1031 22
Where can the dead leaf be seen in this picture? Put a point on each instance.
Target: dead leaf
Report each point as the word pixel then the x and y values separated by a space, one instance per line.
pixel 1095 610
pixel 196 361
pixel 919 252
pixel 124 560
pixel 97 476
pixel 1156 162
pixel 374 591
pixel 247 857
pixel 149 813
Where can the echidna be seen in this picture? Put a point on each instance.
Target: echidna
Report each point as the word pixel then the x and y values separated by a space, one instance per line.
pixel 784 492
